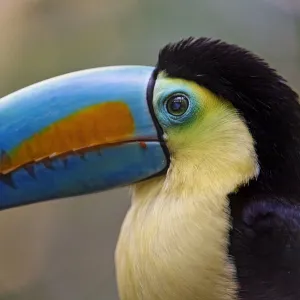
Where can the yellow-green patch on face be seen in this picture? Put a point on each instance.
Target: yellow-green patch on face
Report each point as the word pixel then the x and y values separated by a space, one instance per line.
pixel 205 132
pixel 201 112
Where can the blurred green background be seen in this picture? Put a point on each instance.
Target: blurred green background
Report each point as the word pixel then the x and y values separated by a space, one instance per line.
pixel 65 250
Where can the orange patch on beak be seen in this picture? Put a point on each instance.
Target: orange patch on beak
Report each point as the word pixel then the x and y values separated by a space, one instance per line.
pixel 96 125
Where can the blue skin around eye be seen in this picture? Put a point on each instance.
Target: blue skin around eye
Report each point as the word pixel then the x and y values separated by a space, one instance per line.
pixel 167 119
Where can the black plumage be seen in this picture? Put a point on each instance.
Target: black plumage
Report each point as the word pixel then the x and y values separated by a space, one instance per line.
pixel 265 237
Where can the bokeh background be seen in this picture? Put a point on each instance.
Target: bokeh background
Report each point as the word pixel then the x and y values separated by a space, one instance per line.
pixel 65 249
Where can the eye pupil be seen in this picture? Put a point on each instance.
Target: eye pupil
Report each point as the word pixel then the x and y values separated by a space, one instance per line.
pixel 177 105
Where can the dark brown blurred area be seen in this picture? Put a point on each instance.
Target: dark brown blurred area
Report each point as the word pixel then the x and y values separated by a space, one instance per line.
pixel 65 249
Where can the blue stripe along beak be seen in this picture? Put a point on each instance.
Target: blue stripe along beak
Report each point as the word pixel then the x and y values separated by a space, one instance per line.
pixel 79 133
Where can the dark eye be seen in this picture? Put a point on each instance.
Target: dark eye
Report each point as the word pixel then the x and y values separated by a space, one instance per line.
pixel 177 105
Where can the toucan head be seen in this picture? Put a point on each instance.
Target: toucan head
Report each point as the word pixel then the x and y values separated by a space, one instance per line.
pixel 207 109
pixel 210 124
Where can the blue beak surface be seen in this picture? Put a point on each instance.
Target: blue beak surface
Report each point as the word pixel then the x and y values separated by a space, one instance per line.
pixel 77 134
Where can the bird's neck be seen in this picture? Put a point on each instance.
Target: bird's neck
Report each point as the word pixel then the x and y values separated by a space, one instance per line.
pixel 173 242
pixel 173 245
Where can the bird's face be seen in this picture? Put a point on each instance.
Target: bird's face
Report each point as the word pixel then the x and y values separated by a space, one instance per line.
pixel 203 132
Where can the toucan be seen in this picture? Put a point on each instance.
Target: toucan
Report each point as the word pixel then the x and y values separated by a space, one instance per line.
pixel 209 142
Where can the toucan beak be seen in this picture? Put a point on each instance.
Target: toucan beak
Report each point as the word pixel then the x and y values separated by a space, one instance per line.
pixel 79 133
